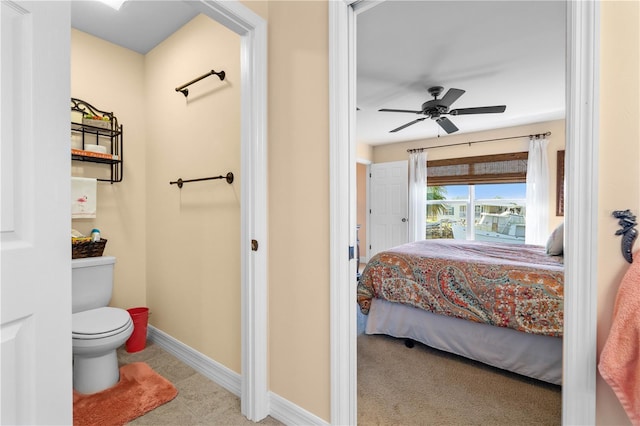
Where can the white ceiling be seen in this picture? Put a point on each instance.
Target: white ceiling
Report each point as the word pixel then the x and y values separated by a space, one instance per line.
pixel 139 25
pixel 500 52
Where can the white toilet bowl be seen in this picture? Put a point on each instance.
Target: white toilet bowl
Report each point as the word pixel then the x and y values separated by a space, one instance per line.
pixel 97 333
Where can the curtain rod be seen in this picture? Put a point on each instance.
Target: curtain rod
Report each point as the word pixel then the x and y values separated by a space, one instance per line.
pixel 538 135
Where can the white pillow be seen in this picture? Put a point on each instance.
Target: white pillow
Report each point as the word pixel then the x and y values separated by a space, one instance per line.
pixel 555 243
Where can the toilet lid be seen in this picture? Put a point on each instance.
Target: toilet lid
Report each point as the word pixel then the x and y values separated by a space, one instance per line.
pixel 101 322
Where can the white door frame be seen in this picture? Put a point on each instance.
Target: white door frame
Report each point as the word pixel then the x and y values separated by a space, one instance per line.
pixel 579 360
pixel 252 30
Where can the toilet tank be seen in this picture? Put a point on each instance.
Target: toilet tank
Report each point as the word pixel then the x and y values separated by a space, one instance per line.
pixel 91 282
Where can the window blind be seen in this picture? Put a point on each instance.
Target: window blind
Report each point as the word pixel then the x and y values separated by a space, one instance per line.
pixel 501 168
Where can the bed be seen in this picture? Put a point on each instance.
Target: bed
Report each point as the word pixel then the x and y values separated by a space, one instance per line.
pixel 495 303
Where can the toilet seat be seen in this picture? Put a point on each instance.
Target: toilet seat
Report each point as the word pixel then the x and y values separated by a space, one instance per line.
pixel 99 323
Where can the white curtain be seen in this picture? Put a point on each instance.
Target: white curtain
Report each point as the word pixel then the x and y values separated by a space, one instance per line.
pixel 537 192
pixel 417 196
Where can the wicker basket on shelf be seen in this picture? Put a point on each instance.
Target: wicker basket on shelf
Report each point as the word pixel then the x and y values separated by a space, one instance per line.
pixel 84 248
pixel 102 124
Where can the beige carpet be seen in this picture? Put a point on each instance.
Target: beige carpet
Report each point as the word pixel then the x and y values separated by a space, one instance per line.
pixel 423 386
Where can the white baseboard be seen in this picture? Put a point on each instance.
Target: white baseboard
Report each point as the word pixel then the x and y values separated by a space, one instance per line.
pixel 228 379
pixel 279 408
pixel 290 414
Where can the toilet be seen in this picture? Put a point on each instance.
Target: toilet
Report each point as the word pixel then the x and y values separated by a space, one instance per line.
pixel 97 329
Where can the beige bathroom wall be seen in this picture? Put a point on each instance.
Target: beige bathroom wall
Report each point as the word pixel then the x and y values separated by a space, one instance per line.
pixel 193 233
pixel 619 174
pixel 111 78
pixel 397 152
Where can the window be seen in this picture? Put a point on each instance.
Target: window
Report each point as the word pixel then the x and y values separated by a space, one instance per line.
pixel 477 198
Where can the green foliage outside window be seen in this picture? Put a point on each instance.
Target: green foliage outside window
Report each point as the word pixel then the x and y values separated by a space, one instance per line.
pixel 436 193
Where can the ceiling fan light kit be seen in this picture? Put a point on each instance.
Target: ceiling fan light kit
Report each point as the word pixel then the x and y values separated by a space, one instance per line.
pixel 435 108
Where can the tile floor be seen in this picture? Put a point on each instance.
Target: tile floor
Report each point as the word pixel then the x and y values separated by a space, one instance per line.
pixel 200 401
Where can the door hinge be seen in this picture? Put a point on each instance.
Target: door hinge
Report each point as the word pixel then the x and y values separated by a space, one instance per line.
pixel 351 252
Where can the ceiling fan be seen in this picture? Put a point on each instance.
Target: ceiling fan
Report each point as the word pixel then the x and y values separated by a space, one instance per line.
pixel 436 108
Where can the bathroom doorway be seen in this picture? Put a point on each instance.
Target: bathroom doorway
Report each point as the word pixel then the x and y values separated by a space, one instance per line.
pixel 199 288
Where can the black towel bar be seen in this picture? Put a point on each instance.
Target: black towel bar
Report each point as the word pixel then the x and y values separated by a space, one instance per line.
pixel 180 181
pixel 184 89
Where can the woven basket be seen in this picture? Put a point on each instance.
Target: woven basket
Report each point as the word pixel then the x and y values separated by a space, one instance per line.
pixel 80 249
pixel 103 124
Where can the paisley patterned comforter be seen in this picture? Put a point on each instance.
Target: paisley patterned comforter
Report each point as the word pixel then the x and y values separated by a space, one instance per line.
pixel 520 287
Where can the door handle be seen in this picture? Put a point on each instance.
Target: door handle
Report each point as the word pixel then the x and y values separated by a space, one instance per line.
pixel 404 219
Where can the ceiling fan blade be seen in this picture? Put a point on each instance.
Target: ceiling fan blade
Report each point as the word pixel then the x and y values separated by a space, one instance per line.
pixel 407 125
pixel 400 110
pixel 450 97
pixel 447 125
pixel 479 110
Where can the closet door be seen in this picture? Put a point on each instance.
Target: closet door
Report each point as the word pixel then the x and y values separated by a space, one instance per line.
pixel 35 272
pixel 389 205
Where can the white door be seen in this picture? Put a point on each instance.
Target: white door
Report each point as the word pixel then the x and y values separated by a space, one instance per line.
pixel 35 251
pixel 389 205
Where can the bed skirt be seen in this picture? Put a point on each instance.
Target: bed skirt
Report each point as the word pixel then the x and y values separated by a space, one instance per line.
pixel 531 355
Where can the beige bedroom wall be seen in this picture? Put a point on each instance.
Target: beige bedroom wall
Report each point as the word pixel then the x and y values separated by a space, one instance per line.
pixel 111 78
pixel 619 173
pixel 397 152
pixel 364 153
pixel 193 233
pixel 361 209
